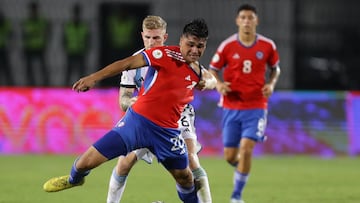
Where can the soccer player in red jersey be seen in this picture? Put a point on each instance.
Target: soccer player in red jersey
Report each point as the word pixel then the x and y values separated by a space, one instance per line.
pixel 243 57
pixel 154 35
pixel 152 121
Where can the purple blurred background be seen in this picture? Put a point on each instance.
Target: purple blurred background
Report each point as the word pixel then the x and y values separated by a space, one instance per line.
pixel 60 121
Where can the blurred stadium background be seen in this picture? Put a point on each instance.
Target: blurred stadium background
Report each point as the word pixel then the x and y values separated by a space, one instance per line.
pixel 315 110
pixel 316 104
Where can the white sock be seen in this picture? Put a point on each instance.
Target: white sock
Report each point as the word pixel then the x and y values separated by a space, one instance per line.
pixel 140 153
pixel 202 185
pixel 116 187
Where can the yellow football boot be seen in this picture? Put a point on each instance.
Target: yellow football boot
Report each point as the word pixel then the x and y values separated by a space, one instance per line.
pixel 60 183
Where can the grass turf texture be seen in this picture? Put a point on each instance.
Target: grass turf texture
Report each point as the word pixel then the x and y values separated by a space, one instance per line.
pixel 274 179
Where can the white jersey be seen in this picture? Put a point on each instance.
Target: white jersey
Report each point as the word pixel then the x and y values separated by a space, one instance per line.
pixel 187 123
pixel 134 78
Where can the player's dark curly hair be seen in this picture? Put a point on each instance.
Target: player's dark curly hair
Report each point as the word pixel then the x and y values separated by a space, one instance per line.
pixel 196 27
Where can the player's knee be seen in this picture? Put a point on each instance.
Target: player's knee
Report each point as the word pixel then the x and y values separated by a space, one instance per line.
pixel 184 178
pixel 246 147
pixel 246 152
pixel 232 161
pixel 231 158
pixel 124 166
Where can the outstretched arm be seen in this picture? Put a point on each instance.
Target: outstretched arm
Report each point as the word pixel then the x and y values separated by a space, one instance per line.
pixel 88 82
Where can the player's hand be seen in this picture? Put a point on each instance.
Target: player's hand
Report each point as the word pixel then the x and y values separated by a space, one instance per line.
pixel 84 84
pixel 200 85
pixel 223 87
pixel 267 90
pixel 132 100
pixel 208 81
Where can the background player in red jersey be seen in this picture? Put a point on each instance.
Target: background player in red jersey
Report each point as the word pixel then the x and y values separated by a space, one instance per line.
pixel 152 121
pixel 244 91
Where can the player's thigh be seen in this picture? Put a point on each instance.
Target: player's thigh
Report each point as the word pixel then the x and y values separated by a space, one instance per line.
pixel 194 162
pixel 111 145
pixel 253 127
pixel 231 131
pixel 231 136
pixel 190 145
pixel 169 148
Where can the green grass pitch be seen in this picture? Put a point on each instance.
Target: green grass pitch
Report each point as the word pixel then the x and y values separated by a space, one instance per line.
pixel 274 179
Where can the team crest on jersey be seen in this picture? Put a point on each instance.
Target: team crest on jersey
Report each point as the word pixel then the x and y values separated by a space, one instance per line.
pixel 259 55
pixel 157 54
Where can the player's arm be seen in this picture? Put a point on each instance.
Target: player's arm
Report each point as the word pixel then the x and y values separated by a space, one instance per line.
pixel 221 86
pixel 88 82
pixel 126 98
pixel 269 87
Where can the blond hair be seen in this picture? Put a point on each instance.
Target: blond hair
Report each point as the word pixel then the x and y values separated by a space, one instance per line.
pixel 154 22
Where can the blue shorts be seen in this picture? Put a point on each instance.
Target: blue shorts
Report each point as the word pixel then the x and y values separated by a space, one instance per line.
pixel 243 123
pixel 134 131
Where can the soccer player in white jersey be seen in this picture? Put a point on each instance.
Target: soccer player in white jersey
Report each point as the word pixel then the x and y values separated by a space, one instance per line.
pixel 153 35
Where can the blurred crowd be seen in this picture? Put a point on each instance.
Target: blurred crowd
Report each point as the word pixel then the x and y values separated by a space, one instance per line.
pixel 35 39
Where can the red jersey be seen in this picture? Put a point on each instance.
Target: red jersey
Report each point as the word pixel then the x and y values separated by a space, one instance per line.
pixel 245 68
pixel 167 88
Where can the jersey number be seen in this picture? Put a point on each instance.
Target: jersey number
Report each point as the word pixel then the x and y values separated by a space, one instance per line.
pixel 184 122
pixel 247 66
pixel 179 144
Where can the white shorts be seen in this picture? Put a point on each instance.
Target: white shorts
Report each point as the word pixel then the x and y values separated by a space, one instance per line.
pixel 186 123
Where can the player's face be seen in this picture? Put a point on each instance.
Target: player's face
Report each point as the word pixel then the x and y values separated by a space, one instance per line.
pixel 247 21
pixel 192 48
pixel 153 38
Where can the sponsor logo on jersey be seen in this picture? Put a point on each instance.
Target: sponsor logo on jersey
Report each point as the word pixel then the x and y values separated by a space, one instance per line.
pixel 193 83
pixel 124 77
pixel 188 78
pixel 236 56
